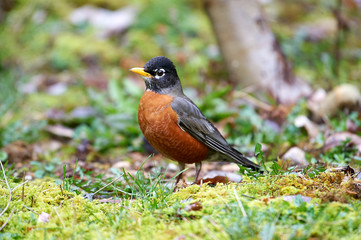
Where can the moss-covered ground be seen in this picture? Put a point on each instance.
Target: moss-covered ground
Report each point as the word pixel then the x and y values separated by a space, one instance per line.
pixel 270 207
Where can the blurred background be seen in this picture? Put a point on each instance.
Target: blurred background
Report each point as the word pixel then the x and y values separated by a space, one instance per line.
pixel 282 73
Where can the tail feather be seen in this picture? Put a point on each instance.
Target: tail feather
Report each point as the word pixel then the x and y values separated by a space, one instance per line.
pixel 237 157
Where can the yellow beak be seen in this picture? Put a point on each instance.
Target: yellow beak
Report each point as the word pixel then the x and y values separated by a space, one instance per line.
pixel 141 71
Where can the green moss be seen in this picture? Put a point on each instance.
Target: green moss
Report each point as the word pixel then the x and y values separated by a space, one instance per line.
pixel 220 215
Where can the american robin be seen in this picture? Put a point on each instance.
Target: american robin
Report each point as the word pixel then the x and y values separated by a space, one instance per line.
pixel 175 126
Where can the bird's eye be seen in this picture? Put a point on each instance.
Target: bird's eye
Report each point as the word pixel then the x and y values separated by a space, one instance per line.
pixel 160 72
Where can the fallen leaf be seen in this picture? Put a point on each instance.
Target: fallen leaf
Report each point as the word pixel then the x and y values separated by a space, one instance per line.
pixel 215 177
pixel 60 131
pixel 122 164
pixel 180 237
pixel 19 152
pixel 337 138
pixel 108 23
pixel 213 181
pixel 346 169
pixel 172 167
pixel 311 128
pixel 83 112
pixel 35 84
pixel 291 198
pixel 358 176
pixel 320 29
pixel 55 114
pixel 276 115
pixel 343 96
pixel 352 127
pixel 196 206
pixel 356 185
pixel 47 146
pixel 110 200
pixel 266 200
pixel 231 168
pixel 57 89
pixel 83 149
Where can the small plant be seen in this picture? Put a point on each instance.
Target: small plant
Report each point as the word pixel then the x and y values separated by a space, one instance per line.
pixel 259 155
pixel 68 182
pixel 313 171
pixel 341 154
pixel 18 131
pixel 151 190
pixel 42 169
pixel 3 156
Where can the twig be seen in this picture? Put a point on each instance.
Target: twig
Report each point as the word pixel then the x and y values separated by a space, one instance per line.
pixel 7 220
pixel 253 100
pixel 120 190
pixel 23 190
pixel 31 210
pixel 10 196
pixel 107 184
pixel 23 183
pixel 61 190
pixel 10 192
pixel 244 195
pixel 240 203
pixel 61 220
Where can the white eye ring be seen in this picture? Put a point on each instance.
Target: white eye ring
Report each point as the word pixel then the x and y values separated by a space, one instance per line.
pixel 159 73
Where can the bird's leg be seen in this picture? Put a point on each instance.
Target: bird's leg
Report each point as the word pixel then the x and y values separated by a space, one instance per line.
pixel 198 169
pixel 181 168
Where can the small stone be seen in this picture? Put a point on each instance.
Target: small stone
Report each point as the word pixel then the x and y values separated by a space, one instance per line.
pixel 44 217
pixel 296 157
pixel 122 164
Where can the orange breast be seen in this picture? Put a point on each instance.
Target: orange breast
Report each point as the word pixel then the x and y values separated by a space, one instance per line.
pixel 159 124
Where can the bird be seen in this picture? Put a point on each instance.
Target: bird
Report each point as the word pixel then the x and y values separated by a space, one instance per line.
pixel 175 126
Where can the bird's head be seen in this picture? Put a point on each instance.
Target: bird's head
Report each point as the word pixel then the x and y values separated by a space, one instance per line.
pixel 160 75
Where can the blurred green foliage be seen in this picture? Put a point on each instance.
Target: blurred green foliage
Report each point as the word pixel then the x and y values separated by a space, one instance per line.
pixel 340 154
pixel 17 131
pixel 38 39
pixel 309 36
pixel 116 121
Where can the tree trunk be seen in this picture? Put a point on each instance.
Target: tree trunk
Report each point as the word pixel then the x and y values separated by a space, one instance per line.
pixel 251 51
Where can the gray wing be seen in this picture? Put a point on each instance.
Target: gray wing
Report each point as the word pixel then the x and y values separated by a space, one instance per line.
pixel 192 121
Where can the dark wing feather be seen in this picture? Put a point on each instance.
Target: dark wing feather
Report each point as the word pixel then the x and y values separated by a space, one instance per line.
pixel 196 124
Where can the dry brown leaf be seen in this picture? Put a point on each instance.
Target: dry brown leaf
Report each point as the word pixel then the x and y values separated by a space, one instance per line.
pixel 311 128
pixel 110 200
pixel 291 198
pixel 60 131
pixel 214 177
pixel 320 29
pixel 346 169
pixel 19 152
pixel 214 180
pixel 122 164
pixel 342 96
pixel 196 206
pixel 107 23
pixel 337 138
